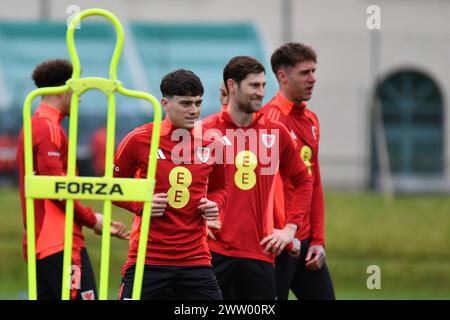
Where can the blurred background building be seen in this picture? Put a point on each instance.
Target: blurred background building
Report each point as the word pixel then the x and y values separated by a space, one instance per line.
pixel 381 94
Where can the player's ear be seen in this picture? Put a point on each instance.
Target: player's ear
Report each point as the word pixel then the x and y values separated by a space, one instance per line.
pixel 232 85
pixel 164 103
pixel 281 75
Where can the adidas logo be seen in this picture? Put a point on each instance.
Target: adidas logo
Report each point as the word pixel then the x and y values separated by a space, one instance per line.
pixel 160 155
pixel 293 135
pixel 314 131
pixel 226 141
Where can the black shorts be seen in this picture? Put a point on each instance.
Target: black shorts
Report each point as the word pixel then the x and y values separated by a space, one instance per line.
pixel 244 279
pixel 49 278
pixel 291 273
pixel 169 282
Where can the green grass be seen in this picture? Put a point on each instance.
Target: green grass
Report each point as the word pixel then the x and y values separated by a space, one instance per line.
pixel 13 272
pixel 408 238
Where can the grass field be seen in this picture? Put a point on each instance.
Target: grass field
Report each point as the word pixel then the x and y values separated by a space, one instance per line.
pixel 408 238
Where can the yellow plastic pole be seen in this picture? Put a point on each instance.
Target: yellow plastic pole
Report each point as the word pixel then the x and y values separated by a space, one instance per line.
pixel 130 189
pixel 29 202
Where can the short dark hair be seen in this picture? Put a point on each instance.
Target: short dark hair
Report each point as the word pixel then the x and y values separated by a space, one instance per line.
pixel 291 53
pixel 52 73
pixel 238 68
pixel 181 82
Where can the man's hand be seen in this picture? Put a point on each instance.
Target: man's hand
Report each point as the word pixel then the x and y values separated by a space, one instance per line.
pixel 315 257
pixel 212 224
pixel 117 229
pixel 279 239
pixel 296 247
pixel 209 209
pixel 159 204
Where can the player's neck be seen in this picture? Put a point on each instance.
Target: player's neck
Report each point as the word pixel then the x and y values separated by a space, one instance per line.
pixel 54 103
pixel 290 97
pixel 241 119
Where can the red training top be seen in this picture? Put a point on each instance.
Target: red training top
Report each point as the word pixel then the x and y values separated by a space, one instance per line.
pixel 304 128
pixel 50 158
pixel 256 153
pixel 187 171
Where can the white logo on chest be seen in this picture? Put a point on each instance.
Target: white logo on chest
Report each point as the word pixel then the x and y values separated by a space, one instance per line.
pixel 226 141
pixel 160 154
pixel 268 140
pixel 293 135
pixel 203 153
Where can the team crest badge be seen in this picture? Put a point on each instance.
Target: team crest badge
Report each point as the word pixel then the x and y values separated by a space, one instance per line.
pixel 88 295
pixel 268 140
pixel 203 153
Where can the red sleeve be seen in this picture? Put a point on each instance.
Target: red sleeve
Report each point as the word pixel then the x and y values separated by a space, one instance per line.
pixel 296 171
pixel 126 166
pixel 279 205
pixel 218 185
pixel 49 162
pixel 317 207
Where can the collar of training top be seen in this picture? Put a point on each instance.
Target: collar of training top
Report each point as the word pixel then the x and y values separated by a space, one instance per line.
pixel 50 112
pixel 167 128
pixel 257 117
pixel 286 105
